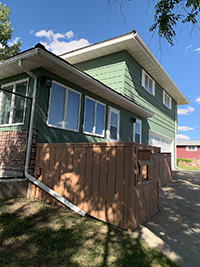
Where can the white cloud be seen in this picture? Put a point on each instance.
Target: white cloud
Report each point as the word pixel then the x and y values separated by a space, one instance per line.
pixel 198 100
pixel 185 128
pixel 185 111
pixel 197 49
pixel 182 137
pixel 14 41
pixel 188 47
pixel 56 46
pixel 69 34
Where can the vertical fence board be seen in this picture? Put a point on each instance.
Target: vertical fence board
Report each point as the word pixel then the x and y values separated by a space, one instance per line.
pixel 119 198
pixel 128 190
pixel 103 184
pixel 88 180
pixel 75 176
pixel 111 205
pixel 82 183
pixel 95 181
pixel 101 179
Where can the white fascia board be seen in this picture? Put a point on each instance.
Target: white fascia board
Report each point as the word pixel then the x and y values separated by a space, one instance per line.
pixel 45 57
pixel 142 111
pixel 150 55
pixel 145 59
pixel 99 45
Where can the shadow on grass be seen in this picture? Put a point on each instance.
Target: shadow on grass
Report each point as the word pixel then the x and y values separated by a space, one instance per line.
pixel 54 236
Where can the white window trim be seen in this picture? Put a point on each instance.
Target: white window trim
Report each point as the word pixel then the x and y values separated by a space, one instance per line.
pixel 13 101
pixel 94 122
pixel 187 148
pixel 65 107
pixel 140 122
pixel 170 100
pixel 110 109
pixel 143 82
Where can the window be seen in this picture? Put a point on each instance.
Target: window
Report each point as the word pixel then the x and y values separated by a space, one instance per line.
pixel 148 83
pixel 167 100
pixel 113 125
pixel 137 131
pixel 64 107
pixel 191 148
pixel 94 117
pixel 12 106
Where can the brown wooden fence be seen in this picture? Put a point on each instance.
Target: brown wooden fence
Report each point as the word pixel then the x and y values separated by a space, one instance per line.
pixel 101 179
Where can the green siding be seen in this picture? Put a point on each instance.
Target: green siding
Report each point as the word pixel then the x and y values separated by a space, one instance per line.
pixel 124 74
pixel 55 135
pixel 109 70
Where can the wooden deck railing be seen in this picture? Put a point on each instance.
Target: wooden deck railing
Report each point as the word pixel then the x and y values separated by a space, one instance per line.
pixel 101 179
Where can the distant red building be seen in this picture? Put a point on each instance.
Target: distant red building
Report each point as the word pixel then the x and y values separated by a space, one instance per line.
pixel 188 149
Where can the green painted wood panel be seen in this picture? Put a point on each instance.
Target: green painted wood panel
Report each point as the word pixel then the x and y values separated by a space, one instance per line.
pixel 55 135
pixel 108 69
pixel 129 85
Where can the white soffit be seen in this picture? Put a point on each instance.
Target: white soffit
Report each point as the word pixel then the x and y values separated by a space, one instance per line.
pixel 40 58
pixel 134 45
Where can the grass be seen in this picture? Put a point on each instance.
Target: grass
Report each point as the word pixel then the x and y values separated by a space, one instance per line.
pixel 188 161
pixel 33 233
pixel 188 168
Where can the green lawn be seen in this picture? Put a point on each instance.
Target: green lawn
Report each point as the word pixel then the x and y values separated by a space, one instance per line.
pixel 36 234
pixel 189 168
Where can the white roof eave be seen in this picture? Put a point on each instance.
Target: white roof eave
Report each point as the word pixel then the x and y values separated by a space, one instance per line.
pixel 37 57
pixel 134 45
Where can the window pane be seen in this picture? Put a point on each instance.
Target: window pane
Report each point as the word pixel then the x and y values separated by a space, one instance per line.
pixel 137 127
pixel 113 132
pixel 89 115
pixel 72 110
pixel 167 100
pixel 5 105
pixel 19 103
pixel 114 119
pixel 99 119
pixel 137 138
pixel 146 82
pixel 57 105
pixel 150 85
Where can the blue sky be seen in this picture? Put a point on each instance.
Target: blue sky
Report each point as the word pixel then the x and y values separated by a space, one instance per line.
pixel 66 25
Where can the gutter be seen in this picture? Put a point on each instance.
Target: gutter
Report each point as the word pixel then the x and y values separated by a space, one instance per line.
pixel 27 160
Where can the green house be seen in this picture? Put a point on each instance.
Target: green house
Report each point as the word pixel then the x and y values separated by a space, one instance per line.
pixel 113 91
pixel 127 66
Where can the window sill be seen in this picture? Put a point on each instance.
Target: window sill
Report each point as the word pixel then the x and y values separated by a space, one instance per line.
pixel 61 128
pixel 96 135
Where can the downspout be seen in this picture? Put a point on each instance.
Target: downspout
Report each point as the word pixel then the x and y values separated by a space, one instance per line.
pixel 28 153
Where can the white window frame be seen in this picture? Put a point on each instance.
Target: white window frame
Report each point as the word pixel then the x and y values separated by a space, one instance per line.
pixel 116 111
pixel 170 100
pixel 94 122
pixel 140 122
pixel 149 78
pixel 188 148
pixel 13 101
pixel 63 127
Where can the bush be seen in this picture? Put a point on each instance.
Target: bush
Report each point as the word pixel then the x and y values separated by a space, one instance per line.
pixel 183 160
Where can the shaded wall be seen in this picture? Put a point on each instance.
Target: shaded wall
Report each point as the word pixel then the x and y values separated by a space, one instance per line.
pixel 99 178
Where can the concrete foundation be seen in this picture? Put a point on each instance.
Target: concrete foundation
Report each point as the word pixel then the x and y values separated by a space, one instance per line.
pixel 10 188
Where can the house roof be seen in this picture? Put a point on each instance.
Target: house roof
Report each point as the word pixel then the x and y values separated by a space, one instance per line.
pixel 40 57
pixel 132 43
pixel 188 143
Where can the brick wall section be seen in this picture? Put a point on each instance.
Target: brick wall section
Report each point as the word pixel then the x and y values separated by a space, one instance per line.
pixel 12 152
pixel 33 152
